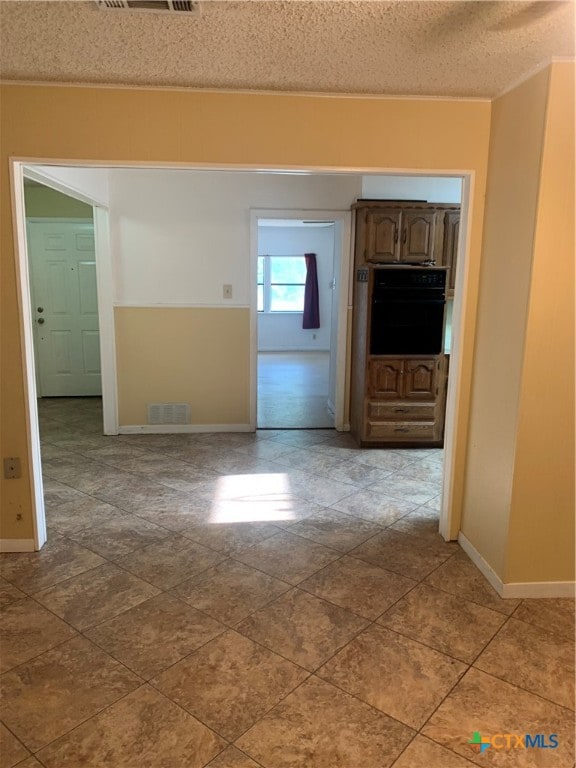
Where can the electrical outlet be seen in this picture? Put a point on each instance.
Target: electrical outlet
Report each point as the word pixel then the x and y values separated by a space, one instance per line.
pixel 12 468
pixel 227 291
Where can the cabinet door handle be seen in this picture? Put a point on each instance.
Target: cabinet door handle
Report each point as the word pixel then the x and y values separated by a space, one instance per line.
pixel 400 410
pixel 401 429
pixel 404 236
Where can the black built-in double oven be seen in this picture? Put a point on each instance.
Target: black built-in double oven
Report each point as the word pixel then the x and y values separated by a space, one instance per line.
pixel 407 311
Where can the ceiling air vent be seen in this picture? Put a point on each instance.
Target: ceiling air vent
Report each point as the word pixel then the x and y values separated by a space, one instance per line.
pixel 150 6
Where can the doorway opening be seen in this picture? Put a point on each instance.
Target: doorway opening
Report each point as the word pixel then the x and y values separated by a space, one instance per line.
pixel 297 323
pixel 233 273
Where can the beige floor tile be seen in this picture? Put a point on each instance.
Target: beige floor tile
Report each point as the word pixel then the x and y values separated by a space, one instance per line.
pixel 302 628
pixel 335 529
pixel 87 512
pixel 398 676
pixel 27 630
pixel 12 752
pixel 554 614
pixel 444 622
pixel 404 487
pixel 423 524
pixel 48 696
pixel 230 591
pixel 288 557
pixel 318 726
pixel 317 488
pixel 169 562
pixel 459 576
pixel 534 659
pixel 9 594
pixel 30 763
pixel 232 758
pixel 482 703
pixel 375 507
pixel 400 553
pixel 93 597
pixel 357 586
pixel 120 536
pixel 231 538
pixel 423 753
pixel 230 683
pixel 59 559
pixel 173 510
pixel 144 730
pixel 155 634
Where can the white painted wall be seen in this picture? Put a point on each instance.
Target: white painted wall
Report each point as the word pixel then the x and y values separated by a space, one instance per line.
pixel 283 330
pixel 178 236
pixel 433 189
pixel 82 183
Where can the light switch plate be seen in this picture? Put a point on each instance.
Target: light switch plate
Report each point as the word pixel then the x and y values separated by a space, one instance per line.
pixel 227 291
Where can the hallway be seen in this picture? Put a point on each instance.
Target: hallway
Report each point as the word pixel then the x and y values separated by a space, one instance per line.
pixel 264 600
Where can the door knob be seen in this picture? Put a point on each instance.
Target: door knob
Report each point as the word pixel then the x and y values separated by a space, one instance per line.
pixel 40 309
pixel 40 321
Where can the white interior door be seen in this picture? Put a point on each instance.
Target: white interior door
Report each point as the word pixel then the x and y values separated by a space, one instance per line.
pixel 62 264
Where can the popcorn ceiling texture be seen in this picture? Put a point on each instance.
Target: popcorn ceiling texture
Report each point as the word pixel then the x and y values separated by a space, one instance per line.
pixel 399 48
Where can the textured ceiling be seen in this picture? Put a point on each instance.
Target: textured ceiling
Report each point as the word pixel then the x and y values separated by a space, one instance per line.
pixel 408 47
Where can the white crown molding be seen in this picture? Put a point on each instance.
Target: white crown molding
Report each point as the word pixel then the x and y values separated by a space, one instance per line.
pixel 244 91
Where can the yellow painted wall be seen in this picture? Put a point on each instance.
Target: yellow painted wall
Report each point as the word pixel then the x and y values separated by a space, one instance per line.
pixel 541 535
pixel 236 129
pixel 511 202
pixel 195 356
pixel 43 202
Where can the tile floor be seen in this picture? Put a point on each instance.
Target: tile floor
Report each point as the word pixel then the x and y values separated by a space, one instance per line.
pixel 271 600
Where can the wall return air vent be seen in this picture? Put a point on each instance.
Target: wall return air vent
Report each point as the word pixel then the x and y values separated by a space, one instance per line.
pixel 151 6
pixel 168 413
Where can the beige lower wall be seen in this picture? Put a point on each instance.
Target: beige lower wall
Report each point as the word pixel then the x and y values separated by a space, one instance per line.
pixel 541 533
pixel 199 356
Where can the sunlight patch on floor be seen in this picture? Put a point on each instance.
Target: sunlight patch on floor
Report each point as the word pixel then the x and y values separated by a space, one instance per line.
pixel 252 498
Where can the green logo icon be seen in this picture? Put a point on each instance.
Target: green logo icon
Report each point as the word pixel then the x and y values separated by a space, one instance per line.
pixel 476 741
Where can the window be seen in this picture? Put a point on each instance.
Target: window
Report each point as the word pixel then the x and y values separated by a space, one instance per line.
pixel 281 281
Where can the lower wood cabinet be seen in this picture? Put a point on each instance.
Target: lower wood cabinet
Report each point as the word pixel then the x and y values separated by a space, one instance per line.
pixel 403 403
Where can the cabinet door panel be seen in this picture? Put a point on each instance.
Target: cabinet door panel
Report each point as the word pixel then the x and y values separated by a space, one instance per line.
pixel 385 379
pixel 450 250
pixel 418 236
pixel 382 236
pixel 420 379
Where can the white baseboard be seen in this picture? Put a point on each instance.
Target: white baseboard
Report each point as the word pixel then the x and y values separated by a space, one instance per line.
pixel 516 589
pixel 17 545
pixel 168 429
pixel 540 589
pixel 484 568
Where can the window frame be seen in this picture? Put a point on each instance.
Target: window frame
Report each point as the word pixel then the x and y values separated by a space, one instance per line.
pixel 267 285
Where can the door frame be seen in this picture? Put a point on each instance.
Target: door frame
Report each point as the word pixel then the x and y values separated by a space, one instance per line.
pixel 344 302
pixel 450 519
pixel 19 171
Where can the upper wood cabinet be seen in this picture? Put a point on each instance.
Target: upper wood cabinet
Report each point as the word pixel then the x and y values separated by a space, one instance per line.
pixel 396 236
pixel 407 233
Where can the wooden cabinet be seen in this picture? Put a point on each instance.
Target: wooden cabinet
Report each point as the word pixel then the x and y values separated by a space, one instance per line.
pixel 404 401
pixel 450 248
pixel 395 232
pixel 396 236
pixel 398 400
